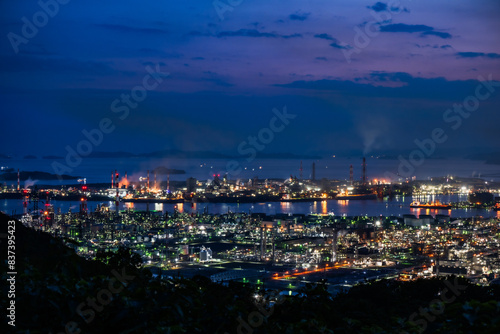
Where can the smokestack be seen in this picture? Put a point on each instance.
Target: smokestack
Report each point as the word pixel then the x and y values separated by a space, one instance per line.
pixel 351 174
pixel 112 180
pixel 168 183
pixel 364 171
pixel 117 200
pixel 155 179
pixel 314 172
pixel 300 177
pixel 18 179
pixel 148 180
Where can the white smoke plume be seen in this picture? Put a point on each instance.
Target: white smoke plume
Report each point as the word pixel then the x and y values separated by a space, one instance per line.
pixel 374 132
pixel 29 182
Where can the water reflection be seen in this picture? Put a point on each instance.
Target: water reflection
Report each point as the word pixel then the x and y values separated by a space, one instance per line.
pixel 285 207
pixel 324 207
pixel 180 207
pixel 396 207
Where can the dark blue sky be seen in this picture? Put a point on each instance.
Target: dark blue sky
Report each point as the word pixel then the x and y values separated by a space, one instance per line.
pixel 359 75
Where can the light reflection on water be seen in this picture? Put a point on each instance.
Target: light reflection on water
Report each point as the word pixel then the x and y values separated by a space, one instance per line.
pixel 324 207
pixel 397 207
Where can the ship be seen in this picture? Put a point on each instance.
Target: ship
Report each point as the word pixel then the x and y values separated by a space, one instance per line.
pixel 152 200
pixel 356 194
pixel 481 197
pixel 431 205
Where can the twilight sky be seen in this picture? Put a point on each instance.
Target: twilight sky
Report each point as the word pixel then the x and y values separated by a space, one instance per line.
pixel 360 76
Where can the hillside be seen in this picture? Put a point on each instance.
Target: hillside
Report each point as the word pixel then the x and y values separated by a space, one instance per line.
pixel 57 290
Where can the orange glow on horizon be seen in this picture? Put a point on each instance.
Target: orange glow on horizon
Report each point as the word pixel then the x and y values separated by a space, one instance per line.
pixel 124 182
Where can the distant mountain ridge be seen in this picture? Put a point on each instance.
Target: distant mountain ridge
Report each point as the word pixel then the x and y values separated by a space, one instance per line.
pixel 489 158
pixel 489 155
pixel 35 175
pixel 172 153
pixel 178 154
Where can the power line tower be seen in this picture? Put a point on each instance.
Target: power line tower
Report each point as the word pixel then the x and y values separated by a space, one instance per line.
pixel 34 198
pixel 117 199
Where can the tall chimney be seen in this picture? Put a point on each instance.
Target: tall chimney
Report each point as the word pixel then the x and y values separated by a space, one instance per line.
pixel 117 199
pixel 364 171
pixel 351 175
